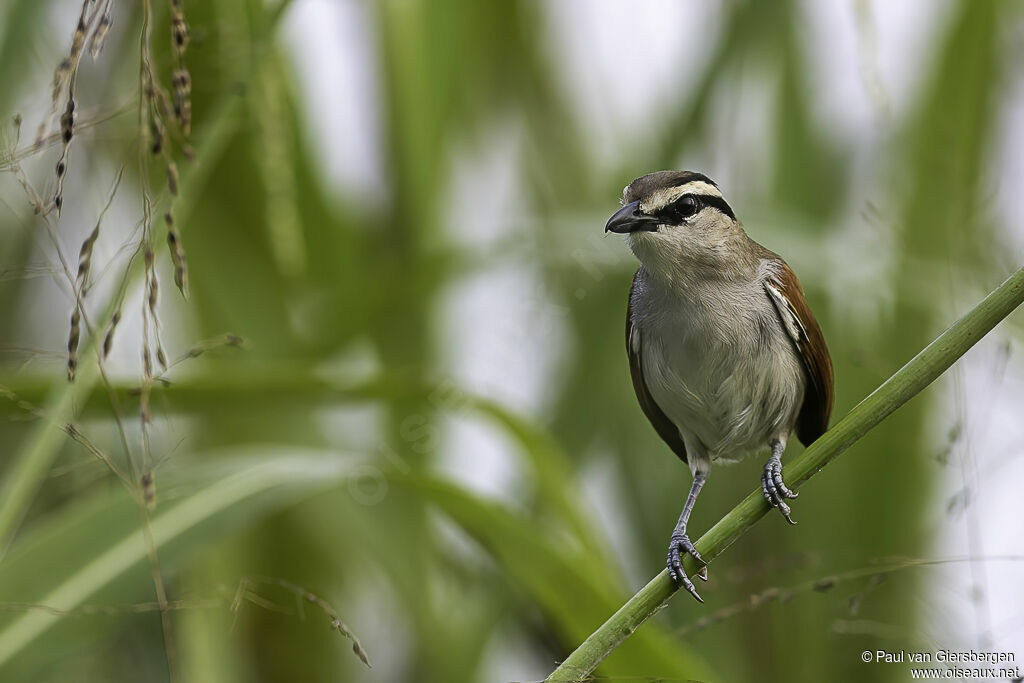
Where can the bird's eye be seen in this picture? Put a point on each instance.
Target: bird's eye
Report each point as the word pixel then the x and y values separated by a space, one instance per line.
pixel 683 208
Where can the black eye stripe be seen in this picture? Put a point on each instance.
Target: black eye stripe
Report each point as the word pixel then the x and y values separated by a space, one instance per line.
pixel 718 203
pixel 678 209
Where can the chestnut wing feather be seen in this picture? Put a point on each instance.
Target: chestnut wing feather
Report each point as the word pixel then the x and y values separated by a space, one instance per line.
pixel 662 425
pixel 788 296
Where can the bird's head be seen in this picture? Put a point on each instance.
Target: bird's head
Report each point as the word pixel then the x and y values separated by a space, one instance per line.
pixel 678 220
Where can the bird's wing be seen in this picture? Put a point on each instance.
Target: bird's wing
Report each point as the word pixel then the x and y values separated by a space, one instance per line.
pixel 664 426
pixel 788 296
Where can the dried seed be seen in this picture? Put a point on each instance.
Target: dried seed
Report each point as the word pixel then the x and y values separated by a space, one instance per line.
pixel 59 76
pixel 149 490
pixel 67 121
pixel 153 288
pixel 178 258
pixel 108 338
pixel 172 178
pixel 85 255
pixel 179 32
pixel 159 133
pixel 182 81
pixel 99 35
pixel 73 337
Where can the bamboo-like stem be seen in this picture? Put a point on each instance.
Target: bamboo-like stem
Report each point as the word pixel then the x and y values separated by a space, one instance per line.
pixel 913 377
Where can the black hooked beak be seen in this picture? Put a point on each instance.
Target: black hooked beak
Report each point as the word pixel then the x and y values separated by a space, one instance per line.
pixel 630 219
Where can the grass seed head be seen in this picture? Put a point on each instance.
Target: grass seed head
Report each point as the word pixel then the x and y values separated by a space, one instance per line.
pixel 158 132
pixel 108 338
pixel 85 255
pixel 172 178
pixel 73 337
pixel 179 32
pixel 67 121
pixel 153 289
pixel 99 35
pixel 178 259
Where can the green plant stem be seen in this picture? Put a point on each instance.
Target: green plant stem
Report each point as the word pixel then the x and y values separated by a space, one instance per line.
pixel 913 377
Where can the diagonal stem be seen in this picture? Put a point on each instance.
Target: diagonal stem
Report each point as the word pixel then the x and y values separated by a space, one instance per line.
pixel 910 380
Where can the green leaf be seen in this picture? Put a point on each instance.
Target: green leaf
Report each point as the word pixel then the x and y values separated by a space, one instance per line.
pixel 567 583
pixel 92 544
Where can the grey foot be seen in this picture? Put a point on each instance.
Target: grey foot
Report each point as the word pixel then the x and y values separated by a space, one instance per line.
pixel 775 490
pixel 678 546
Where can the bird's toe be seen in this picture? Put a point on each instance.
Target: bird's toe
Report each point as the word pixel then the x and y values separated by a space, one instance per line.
pixel 775 490
pixel 780 485
pixel 679 546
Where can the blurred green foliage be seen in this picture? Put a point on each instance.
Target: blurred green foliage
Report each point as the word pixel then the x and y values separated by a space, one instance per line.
pixel 341 301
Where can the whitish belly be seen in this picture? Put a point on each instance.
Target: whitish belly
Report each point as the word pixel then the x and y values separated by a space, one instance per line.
pixel 729 398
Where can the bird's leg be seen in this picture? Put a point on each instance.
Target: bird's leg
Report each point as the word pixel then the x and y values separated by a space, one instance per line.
pixel 775 490
pixel 680 543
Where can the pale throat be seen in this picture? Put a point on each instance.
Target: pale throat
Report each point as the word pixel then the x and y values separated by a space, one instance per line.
pixel 690 268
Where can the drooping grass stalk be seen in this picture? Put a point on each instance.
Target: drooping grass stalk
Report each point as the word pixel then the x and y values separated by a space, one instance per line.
pixel 31 462
pixel 913 377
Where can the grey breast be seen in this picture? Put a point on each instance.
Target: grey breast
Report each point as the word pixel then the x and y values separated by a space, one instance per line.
pixel 718 363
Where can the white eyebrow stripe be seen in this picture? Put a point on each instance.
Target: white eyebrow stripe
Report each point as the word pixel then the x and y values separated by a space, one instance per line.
pixel 666 196
pixel 698 187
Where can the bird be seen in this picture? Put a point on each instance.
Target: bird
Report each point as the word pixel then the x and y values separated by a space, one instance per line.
pixel 726 358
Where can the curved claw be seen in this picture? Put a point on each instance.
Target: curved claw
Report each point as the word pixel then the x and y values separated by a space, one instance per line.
pixel 680 545
pixel 775 490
